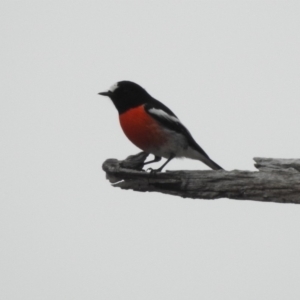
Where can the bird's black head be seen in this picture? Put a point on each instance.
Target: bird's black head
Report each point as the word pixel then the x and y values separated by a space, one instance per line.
pixel 126 95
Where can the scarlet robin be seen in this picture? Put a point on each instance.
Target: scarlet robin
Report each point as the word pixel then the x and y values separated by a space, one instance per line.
pixel 152 126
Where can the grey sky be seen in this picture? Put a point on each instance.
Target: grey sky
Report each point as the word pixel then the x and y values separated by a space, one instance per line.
pixel 229 70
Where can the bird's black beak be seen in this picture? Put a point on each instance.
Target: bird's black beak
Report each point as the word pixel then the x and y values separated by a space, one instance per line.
pixel 105 93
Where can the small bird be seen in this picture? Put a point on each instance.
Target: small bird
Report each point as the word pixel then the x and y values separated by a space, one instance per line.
pixel 153 127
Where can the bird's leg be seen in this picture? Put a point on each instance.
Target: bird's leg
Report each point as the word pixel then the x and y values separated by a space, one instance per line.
pixel 160 169
pixel 156 158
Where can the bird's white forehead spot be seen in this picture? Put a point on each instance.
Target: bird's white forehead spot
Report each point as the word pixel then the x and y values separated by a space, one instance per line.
pixel 113 87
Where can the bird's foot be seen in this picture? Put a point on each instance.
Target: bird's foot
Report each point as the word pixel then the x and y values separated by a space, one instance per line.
pixel 153 171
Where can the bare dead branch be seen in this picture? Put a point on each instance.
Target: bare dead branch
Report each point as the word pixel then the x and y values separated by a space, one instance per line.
pixel 277 180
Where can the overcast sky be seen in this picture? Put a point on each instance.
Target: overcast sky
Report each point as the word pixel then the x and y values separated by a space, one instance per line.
pixel 229 70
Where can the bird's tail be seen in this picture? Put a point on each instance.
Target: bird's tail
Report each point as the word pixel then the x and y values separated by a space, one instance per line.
pixel 211 164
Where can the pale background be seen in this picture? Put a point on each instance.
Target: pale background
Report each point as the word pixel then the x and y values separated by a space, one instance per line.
pixel 229 70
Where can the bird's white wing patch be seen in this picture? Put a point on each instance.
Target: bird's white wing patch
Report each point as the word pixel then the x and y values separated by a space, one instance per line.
pixel 162 114
pixel 113 87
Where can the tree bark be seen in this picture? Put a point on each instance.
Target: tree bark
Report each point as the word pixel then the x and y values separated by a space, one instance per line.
pixel 277 180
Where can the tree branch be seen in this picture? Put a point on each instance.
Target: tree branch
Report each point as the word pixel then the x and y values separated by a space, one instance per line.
pixel 277 180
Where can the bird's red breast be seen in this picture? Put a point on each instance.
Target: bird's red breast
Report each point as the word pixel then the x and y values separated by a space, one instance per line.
pixel 141 129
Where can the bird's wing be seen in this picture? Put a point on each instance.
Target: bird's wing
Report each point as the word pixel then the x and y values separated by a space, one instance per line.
pixel 168 119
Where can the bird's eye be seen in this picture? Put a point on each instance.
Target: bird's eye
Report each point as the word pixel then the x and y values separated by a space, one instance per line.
pixel 126 91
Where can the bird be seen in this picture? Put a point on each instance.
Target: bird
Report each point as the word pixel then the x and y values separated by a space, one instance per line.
pixel 153 127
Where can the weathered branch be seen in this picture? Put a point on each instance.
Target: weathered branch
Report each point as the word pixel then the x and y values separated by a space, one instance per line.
pixel 278 180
